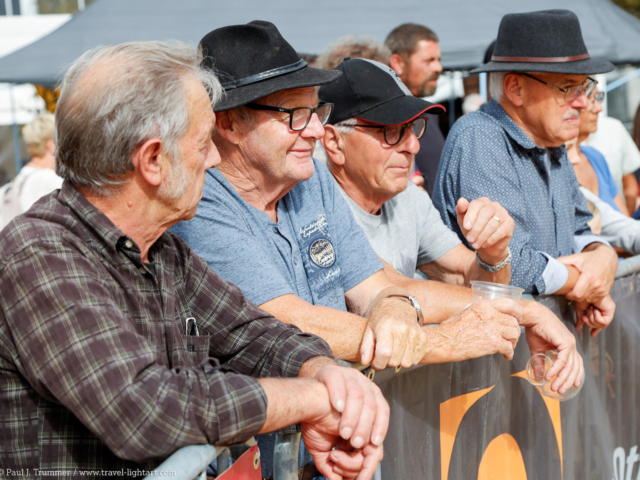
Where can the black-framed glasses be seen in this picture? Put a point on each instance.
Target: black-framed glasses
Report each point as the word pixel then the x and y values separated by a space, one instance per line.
pixel 299 117
pixel 394 133
pixel 572 91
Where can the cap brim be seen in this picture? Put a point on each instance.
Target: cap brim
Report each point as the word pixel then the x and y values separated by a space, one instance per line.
pixel 305 77
pixel 400 110
pixel 590 66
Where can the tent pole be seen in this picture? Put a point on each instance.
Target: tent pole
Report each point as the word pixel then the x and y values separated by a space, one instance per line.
pixel 452 104
pixel 483 87
pixel 81 5
pixel 622 81
pixel 8 7
pixel 14 132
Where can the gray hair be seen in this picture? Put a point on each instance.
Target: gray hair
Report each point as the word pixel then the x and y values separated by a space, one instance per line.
pixel 37 133
pixel 496 80
pixel 346 126
pixel 350 46
pixel 115 98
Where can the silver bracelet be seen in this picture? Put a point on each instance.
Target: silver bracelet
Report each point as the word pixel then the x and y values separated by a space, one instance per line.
pixel 494 268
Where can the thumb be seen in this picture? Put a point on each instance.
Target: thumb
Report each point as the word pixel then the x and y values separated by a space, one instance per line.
pixel 461 209
pixel 367 347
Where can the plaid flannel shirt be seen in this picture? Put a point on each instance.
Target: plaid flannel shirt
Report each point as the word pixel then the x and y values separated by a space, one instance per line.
pixel 96 371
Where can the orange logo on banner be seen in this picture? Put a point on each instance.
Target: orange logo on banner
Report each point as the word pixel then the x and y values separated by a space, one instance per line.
pixel 502 457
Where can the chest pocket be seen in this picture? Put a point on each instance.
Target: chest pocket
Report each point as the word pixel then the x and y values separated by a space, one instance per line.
pixel 197 348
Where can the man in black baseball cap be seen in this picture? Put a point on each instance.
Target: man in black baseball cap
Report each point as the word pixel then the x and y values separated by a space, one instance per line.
pixel 371 140
pixel 512 150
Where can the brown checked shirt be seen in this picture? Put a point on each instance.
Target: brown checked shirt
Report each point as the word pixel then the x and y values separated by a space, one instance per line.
pixel 96 371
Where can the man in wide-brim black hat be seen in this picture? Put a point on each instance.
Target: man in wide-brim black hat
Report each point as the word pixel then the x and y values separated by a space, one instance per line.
pixel 271 222
pixel 512 151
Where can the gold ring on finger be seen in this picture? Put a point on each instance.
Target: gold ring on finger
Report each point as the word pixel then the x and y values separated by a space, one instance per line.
pixel 497 220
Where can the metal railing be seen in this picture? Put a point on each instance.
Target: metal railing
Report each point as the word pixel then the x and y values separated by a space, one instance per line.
pixel 628 266
pixel 190 463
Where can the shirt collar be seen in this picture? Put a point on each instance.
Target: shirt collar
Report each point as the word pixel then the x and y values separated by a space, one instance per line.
pixel 495 110
pixel 101 226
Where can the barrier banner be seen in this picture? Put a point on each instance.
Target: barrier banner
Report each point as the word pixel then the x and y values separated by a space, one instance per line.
pixel 481 419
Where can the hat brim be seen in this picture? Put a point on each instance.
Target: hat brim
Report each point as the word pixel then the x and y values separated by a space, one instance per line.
pixel 305 77
pixel 590 66
pixel 400 110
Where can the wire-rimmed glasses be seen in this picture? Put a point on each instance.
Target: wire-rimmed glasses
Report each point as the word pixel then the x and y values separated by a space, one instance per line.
pixel 572 91
pixel 299 117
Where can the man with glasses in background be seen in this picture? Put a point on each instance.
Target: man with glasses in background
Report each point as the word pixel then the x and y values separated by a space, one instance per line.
pixel 512 151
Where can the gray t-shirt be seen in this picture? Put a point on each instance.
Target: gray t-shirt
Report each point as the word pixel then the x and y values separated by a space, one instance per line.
pixel 409 231
pixel 316 250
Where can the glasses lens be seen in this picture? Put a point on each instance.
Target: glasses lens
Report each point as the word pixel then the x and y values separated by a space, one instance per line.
pixel 599 96
pixel 324 111
pixel 591 86
pixel 300 118
pixel 393 133
pixel 419 127
pixel 573 92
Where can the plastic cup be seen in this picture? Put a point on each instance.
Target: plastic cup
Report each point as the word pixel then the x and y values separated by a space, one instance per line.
pixel 537 368
pixel 489 291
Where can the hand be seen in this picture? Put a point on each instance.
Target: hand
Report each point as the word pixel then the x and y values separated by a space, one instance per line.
pixel 487 236
pixel 358 431
pixel 544 332
pixel 596 315
pixel 597 265
pixel 483 328
pixel 418 180
pixel 393 336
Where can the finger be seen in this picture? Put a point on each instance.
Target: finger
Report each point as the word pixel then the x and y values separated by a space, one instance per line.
pixel 367 347
pixel 461 210
pixel 371 460
pixel 471 214
pixel 580 289
pixel 511 334
pixel 381 422
pixel 351 414
pixel 337 391
pixel 503 231
pixel 506 349
pixel 580 366
pixel 421 348
pixel 407 358
pixel 508 307
pixel 563 376
pixel 348 462
pixel 383 351
pixel 362 432
pixel 483 220
pixel 325 466
pixel 595 332
pixel 400 340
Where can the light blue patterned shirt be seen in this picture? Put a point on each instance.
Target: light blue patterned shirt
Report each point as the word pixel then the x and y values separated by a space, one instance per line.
pixel 487 155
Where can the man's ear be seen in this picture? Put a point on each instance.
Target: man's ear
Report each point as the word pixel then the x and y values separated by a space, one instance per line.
pixel 149 161
pixel 332 143
pixel 227 126
pixel 397 63
pixel 50 146
pixel 513 88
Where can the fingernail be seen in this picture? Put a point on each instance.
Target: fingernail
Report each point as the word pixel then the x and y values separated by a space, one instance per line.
pixel 357 442
pixel 470 239
pixel 338 471
pixel 467 224
pixel 377 441
pixel 340 405
pixel 346 433
pixel 475 246
pixel 334 457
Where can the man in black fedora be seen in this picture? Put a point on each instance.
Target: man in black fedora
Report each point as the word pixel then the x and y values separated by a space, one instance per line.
pixel 272 223
pixel 512 152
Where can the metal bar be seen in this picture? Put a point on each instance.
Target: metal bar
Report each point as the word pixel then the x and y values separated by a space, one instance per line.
pixel 8 7
pixel 223 462
pixel 15 132
pixel 187 463
pixel 81 5
pixel 484 91
pixel 621 81
pixel 285 457
pixel 628 266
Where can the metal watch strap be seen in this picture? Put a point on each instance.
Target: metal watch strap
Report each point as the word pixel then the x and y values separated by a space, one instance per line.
pixel 494 268
pixel 414 302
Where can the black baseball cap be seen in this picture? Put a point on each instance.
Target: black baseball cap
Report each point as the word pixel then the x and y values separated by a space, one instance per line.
pixel 371 91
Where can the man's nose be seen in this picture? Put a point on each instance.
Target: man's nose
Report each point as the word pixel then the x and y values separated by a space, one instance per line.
pixel 314 129
pixel 410 142
pixel 581 102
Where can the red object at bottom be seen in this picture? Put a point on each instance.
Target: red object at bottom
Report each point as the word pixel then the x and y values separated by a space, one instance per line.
pixel 247 467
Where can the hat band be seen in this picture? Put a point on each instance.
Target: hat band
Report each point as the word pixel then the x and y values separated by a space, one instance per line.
pixel 230 85
pixel 574 58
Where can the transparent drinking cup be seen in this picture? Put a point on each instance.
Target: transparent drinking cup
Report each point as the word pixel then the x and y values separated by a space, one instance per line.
pixel 489 291
pixel 538 366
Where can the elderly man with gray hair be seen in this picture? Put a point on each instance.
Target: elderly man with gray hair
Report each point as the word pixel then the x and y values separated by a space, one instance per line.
pixel 512 151
pixel 118 345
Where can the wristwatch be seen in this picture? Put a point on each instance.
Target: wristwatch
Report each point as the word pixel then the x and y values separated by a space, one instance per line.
pixel 494 268
pixel 414 301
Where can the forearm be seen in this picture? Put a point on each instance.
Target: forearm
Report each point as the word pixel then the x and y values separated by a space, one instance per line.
pixel 292 401
pixel 630 191
pixel 476 272
pixel 312 366
pixel 574 274
pixel 343 331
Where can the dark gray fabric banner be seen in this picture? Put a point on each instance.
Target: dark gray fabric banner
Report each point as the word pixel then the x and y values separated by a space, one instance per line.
pixel 481 419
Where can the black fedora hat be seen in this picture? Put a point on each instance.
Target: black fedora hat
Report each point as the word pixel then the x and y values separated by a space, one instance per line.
pixel 546 41
pixel 253 61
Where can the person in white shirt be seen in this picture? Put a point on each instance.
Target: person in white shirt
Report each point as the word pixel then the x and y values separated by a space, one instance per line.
pixel 38 177
pixel 621 154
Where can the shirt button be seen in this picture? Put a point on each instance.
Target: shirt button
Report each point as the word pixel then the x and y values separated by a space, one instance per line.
pixel 143 270
pixel 128 243
pixel 295 260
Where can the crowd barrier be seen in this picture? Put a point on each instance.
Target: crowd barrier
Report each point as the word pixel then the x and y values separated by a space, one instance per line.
pixel 481 420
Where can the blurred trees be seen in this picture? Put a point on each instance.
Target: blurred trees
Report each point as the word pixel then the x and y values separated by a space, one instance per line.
pixel 631 6
pixel 59 6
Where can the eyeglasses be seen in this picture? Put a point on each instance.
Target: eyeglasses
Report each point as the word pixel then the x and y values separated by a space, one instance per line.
pixel 573 91
pixel 299 117
pixel 394 133
pixel 599 97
